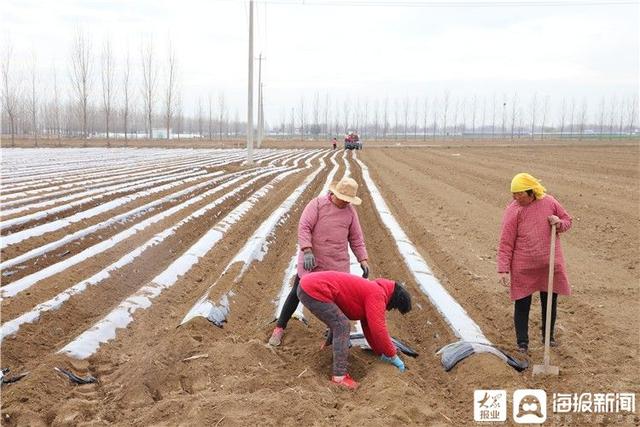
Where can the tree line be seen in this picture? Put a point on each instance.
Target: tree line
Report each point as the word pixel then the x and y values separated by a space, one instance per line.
pixel 140 95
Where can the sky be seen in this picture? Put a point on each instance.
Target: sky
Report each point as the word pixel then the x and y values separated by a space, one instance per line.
pixel 346 50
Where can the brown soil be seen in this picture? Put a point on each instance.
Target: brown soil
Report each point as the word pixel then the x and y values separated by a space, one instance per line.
pixel 449 201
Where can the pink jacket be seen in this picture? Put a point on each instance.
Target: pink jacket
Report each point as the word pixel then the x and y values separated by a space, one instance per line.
pixel 327 230
pixel 525 247
pixel 359 299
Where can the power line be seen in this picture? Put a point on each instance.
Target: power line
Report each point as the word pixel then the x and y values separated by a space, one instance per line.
pixel 452 4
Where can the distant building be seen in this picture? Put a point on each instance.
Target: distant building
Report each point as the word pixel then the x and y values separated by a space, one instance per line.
pixel 160 133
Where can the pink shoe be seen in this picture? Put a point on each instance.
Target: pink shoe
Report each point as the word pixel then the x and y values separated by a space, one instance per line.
pixel 276 336
pixel 346 382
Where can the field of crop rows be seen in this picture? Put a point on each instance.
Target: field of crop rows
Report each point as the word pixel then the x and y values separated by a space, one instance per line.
pixel 159 272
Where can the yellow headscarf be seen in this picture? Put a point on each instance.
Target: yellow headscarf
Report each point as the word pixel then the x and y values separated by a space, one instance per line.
pixel 524 182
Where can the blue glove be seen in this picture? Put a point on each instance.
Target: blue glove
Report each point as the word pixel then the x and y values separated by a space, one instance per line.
pixel 395 361
pixel 309 260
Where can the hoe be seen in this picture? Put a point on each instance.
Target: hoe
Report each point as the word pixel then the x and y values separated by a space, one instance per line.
pixel 546 368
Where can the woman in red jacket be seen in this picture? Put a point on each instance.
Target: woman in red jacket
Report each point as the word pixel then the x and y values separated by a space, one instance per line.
pixel 335 298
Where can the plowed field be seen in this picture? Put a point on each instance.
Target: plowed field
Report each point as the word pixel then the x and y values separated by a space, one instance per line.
pixel 449 202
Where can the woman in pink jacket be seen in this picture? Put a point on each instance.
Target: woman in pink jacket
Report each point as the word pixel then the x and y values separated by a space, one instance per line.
pixel 524 249
pixel 335 298
pixel 328 224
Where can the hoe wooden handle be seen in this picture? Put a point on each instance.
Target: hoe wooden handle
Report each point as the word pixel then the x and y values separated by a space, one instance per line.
pixel 547 326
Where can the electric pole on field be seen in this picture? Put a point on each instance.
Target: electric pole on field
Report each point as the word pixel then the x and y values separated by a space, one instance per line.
pixel 259 122
pixel 250 97
pixel 260 103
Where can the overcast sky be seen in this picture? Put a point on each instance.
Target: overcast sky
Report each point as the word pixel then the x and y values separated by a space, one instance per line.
pixel 563 48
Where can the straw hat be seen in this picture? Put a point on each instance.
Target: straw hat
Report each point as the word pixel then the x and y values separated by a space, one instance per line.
pixel 346 190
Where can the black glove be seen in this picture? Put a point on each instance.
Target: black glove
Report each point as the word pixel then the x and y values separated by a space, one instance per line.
pixel 309 260
pixel 329 340
pixel 365 271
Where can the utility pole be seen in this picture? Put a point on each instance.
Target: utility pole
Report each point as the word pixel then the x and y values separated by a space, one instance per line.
pixel 260 101
pixel 250 95
pixel 261 112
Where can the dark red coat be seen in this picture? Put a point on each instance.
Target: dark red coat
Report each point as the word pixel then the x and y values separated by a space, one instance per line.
pixel 359 299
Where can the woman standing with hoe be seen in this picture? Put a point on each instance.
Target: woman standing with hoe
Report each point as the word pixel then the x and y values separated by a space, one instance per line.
pixel 524 250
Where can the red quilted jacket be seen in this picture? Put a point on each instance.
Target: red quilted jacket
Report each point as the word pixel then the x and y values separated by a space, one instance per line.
pixel 359 299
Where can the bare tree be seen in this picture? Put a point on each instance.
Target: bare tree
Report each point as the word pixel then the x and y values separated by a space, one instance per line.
pixel 315 110
pixel 463 122
pixel 336 119
pixel 445 111
pixel 622 117
pixel 474 109
pixel 11 89
pixel 396 113
pixel 632 113
pixel 327 104
pixel 149 84
pixel 455 117
pixel 376 118
pixel 200 118
pixel 227 123
pixel 81 76
pixel 602 115
pixel 302 117
pixel 346 111
pixel 236 124
pixel 292 128
pixel 356 115
pixel 56 106
pixel 545 112
pixel 126 96
pixel 571 119
pixel 24 120
pixel 484 115
pixel 69 115
pixel 222 111
pixel 170 91
pixel 563 116
pixel 583 118
pixel 365 116
pixel 416 116
pixel 33 98
pixel 514 103
pixel 326 115
pixel 385 118
pixel 425 118
pixel 504 116
pixel 283 122
pixel 405 110
pixel 534 110
pixel 493 117
pixel 210 121
pixel 520 121
pixel 612 115
pixel 434 111
pixel 179 114
pixel 106 75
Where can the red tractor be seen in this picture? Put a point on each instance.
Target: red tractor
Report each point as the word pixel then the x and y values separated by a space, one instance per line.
pixel 352 141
